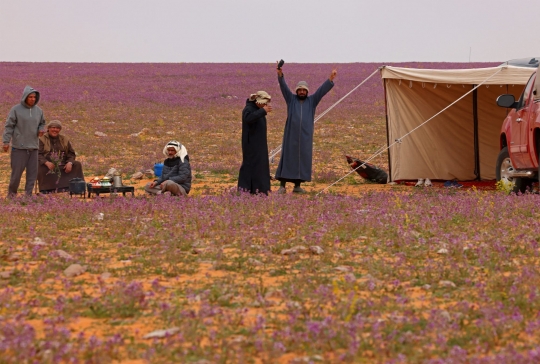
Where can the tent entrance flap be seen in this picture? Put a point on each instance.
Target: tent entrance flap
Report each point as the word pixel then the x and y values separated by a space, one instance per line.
pixel 462 141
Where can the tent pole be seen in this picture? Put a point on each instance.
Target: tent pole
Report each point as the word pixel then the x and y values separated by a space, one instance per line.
pixel 387 132
pixel 476 143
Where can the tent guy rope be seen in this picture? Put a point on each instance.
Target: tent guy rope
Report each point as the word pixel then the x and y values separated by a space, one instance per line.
pixel 276 151
pixel 400 140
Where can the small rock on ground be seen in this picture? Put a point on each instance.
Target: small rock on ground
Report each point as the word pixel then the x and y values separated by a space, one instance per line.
pixel 137 175
pixel 294 250
pixel 63 254
pixel 161 333
pixel 255 262
pixel 317 250
pixel 74 270
pixel 449 284
pixel 149 173
pixel 38 242
pixel 344 268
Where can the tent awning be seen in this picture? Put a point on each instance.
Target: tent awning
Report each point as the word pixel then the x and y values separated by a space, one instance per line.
pixel 508 75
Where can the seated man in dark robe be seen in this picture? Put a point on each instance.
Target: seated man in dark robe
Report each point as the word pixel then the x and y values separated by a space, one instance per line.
pixel 56 159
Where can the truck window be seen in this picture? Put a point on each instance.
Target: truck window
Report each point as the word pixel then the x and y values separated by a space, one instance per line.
pixel 524 99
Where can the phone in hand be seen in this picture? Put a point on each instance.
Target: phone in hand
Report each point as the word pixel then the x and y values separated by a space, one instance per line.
pixel 280 64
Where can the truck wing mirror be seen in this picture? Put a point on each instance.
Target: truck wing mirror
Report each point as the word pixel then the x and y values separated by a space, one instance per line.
pixel 507 101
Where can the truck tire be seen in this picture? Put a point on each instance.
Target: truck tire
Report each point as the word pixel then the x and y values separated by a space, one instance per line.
pixel 503 173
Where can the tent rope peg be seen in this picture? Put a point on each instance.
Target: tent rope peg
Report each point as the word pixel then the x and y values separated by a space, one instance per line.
pixel 448 85
pixel 399 140
pixel 434 85
pixel 423 85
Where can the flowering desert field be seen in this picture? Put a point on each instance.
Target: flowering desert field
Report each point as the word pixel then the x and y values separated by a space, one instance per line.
pixel 361 273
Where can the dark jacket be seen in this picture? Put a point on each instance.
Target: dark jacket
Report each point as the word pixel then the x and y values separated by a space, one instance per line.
pixel 177 171
pixel 24 123
pixel 47 145
pixel 255 170
pixel 297 147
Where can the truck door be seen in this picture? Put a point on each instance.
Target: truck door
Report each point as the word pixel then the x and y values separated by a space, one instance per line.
pixel 519 147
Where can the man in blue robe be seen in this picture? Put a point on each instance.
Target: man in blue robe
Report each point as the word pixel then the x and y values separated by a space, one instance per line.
pixel 297 148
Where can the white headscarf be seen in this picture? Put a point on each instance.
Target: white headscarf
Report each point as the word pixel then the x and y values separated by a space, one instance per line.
pixel 181 151
pixel 261 97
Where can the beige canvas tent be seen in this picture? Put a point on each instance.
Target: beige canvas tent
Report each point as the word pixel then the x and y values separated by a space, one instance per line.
pixel 462 142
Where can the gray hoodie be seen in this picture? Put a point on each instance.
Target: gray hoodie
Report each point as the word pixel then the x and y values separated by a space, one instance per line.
pixel 24 123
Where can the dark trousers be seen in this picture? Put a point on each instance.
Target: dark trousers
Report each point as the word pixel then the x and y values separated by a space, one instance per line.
pixel 22 159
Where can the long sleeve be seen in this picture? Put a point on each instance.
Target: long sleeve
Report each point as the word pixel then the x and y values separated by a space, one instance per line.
pixel 184 173
pixel 165 174
pixel 10 126
pixel 250 116
pixel 70 155
pixel 321 91
pixel 42 156
pixel 285 91
pixel 41 126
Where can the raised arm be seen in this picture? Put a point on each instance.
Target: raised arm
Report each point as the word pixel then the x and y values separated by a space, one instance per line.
pixel 324 88
pixel 285 91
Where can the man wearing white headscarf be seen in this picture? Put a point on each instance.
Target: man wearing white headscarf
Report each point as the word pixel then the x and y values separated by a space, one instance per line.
pixel 254 174
pixel 176 174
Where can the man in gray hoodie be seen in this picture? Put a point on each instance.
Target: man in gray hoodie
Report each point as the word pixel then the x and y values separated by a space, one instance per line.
pixel 24 125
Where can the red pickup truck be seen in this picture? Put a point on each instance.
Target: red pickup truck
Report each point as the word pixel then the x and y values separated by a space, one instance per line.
pixel 517 163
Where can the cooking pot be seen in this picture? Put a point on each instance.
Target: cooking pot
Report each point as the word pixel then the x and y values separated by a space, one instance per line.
pixel 77 186
pixel 106 182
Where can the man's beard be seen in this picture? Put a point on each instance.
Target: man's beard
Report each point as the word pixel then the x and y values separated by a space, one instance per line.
pixel 302 97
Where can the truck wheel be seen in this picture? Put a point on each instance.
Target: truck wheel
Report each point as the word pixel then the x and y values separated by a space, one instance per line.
pixel 504 173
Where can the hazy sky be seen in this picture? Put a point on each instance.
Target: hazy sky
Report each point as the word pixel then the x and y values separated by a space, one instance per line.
pixel 264 31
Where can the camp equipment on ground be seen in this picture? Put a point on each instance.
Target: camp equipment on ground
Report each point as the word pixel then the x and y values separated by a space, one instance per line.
pixel 158 168
pixel 368 171
pixel 77 186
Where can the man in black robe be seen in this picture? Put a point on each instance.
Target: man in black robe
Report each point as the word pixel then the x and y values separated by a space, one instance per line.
pixel 255 170
pixel 297 148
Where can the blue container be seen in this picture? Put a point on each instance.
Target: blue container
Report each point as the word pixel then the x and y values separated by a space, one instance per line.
pixel 158 168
